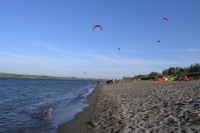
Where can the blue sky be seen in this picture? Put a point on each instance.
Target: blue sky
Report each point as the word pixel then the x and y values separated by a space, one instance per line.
pixel 55 37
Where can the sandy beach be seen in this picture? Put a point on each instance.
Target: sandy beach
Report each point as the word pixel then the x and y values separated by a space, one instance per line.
pixel 140 107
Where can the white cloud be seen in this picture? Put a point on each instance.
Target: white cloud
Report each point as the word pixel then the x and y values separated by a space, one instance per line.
pixel 73 63
pixel 16 55
pixel 184 50
pixel 194 50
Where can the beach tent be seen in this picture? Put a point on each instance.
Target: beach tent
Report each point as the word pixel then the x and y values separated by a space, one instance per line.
pixel 160 79
pixel 184 78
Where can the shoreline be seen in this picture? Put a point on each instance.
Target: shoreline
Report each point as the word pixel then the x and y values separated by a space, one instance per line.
pixel 150 106
pixel 80 118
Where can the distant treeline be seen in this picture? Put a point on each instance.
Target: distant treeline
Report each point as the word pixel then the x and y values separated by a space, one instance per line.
pixel 192 70
pixel 43 77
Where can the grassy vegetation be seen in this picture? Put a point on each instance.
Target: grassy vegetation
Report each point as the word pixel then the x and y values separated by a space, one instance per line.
pixel 44 77
pixel 191 71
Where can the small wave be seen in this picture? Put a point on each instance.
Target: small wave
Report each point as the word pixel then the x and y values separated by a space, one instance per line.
pixel 47 114
pixel 85 94
pixel 90 91
pixel 47 124
pixel 82 95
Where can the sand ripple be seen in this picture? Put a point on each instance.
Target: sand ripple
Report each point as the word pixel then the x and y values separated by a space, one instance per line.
pixel 147 107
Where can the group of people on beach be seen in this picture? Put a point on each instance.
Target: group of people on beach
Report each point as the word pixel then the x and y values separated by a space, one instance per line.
pixel 173 78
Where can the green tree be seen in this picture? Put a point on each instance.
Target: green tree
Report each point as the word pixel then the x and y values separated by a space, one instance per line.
pixel 172 71
pixel 191 68
pixel 165 72
pixel 154 74
pixel 182 71
pixel 197 67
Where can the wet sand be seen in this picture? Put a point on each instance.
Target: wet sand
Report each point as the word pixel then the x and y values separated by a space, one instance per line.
pixel 140 107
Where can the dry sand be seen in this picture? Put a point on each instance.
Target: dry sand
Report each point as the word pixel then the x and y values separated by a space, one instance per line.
pixel 140 107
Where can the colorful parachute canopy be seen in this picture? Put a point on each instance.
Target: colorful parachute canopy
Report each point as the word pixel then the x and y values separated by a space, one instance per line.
pixel 165 19
pixel 99 26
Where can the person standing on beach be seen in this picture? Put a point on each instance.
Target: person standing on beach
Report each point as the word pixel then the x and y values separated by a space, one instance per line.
pixel 98 83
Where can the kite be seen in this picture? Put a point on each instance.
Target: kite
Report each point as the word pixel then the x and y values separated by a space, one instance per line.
pixel 165 19
pixel 118 48
pixel 158 41
pixel 84 72
pixel 99 26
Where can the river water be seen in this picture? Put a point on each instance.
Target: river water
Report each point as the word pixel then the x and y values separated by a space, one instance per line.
pixel 40 105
